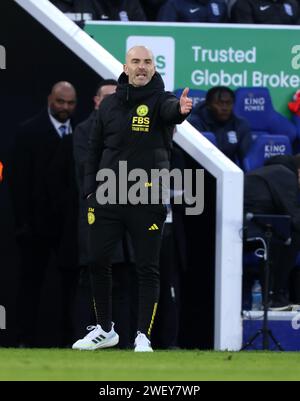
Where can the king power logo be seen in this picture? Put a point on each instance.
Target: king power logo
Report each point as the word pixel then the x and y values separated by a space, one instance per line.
pixel 2 58
pixel 2 318
pixel 296 322
pixel 163 48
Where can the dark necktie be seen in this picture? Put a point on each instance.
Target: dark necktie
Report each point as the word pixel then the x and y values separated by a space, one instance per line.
pixel 63 130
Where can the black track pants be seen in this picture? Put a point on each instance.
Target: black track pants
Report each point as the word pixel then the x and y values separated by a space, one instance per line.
pixel 106 227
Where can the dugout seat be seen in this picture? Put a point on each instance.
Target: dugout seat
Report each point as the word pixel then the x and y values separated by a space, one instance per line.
pixel 255 105
pixel 264 147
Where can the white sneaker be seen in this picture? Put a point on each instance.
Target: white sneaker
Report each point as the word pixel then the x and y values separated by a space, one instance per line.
pixel 97 338
pixel 142 344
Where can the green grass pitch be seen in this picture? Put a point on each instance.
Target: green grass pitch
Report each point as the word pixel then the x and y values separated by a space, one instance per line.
pixel 105 365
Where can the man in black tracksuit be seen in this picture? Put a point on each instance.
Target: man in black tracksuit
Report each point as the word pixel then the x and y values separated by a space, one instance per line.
pixel 123 259
pixel 135 125
pixel 274 189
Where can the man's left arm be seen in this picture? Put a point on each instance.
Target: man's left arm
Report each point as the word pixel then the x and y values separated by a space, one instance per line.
pixel 174 111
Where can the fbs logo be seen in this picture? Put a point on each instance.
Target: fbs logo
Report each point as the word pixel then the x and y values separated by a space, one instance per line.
pixel 163 48
pixel 141 123
pixel 153 227
pixel 91 215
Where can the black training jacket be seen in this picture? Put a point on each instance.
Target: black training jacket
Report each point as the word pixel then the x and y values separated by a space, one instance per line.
pixel 136 125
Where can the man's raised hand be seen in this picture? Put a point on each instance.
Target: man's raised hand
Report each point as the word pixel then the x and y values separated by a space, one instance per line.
pixel 186 103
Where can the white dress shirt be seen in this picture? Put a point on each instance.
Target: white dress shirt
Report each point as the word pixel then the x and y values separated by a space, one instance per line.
pixel 58 124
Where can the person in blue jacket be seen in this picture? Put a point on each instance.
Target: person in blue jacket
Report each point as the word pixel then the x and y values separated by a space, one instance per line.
pixel 216 115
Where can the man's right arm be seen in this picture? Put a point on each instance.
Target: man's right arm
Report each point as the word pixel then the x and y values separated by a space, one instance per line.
pixel 95 148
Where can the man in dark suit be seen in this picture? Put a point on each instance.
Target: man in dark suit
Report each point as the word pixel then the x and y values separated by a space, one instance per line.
pixel 38 225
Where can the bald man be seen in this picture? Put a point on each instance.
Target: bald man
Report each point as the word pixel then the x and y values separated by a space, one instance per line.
pixel 38 225
pixel 134 125
pixel 61 103
pixel 123 256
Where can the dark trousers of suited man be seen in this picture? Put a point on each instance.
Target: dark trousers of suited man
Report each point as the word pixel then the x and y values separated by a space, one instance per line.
pixel 166 325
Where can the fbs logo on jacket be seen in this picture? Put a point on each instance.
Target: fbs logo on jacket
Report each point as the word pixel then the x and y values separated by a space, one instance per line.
pixel 140 122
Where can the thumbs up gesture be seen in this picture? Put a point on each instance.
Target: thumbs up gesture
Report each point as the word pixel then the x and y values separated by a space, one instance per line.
pixel 186 103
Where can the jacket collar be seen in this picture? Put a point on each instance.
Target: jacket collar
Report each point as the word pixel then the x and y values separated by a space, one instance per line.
pixel 131 94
